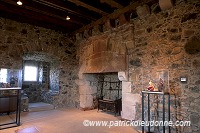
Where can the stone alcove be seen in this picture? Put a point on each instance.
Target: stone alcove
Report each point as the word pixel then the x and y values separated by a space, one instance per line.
pixel 47 83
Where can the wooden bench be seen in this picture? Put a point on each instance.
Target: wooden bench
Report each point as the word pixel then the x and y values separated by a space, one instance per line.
pixel 110 105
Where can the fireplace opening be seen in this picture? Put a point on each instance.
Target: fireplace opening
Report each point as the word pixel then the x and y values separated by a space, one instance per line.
pixel 104 90
pixel 109 86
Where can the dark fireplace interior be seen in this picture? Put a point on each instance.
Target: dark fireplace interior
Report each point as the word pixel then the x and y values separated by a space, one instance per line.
pixel 109 86
pixel 108 92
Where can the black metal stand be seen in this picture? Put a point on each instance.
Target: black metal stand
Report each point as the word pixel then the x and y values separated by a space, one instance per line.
pixel 17 115
pixel 148 93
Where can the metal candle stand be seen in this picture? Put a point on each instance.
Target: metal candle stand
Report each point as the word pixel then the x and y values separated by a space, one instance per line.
pixel 148 93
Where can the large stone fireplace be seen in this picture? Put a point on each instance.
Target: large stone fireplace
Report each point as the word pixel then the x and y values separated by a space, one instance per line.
pixel 102 55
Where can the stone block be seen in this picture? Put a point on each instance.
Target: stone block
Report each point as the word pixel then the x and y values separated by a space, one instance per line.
pixel 166 4
pixel 140 32
pixel 126 87
pixel 152 19
pixel 86 101
pixel 87 90
pixel 85 34
pixel 128 112
pixel 175 37
pixel 79 36
pixel 194 1
pixel 177 57
pixel 96 55
pixel 188 16
pixel 100 45
pixel 188 33
pixel 176 50
pixel 115 46
pixel 129 99
pixel 110 44
pixel 122 19
pixel 94 65
pixel 4 47
pixel 122 49
pixel 12 28
pixel 95 30
pixel 80 82
pixel 143 11
pixel 130 45
pixel 90 49
pixel 107 62
pixel 136 75
pixel 196 63
pixel 136 62
pixel 192 46
pixel 128 36
pixel 107 25
pixel 81 70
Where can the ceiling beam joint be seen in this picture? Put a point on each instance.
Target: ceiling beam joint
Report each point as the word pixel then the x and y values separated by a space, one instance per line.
pixel 79 3
pixel 112 3
pixel 61 8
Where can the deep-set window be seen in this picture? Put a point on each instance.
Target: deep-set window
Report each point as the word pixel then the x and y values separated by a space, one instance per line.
pixel 3 75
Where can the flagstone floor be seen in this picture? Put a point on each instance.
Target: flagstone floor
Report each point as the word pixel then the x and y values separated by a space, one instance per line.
pixel 65 121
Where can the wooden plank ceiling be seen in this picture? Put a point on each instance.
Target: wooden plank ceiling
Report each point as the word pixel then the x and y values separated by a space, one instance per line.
pixel 52 13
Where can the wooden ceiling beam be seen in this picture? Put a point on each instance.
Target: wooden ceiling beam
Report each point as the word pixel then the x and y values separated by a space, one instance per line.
pixel 57 13
pixel 63 7
pixel 34 21
pixel 113 15
pixel 79 3
pixel 53 15
pixel 41 20
pixel 31 7
pixel 112 3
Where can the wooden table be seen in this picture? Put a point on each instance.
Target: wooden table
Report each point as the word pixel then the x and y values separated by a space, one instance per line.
pixel 16 122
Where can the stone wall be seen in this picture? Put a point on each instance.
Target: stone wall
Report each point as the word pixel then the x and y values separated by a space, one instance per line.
pixel 168 40
pixel 16 39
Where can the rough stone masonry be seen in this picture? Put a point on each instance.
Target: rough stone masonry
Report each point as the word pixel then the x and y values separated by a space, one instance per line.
pixel 166 40
pixel 19 39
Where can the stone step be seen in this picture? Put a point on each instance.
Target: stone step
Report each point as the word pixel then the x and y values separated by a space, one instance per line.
pixel 40 106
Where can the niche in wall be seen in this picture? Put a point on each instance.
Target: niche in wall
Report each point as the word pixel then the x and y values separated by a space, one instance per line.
pixel 47 77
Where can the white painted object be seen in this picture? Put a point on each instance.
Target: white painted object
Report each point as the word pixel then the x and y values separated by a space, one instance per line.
pixel 122 76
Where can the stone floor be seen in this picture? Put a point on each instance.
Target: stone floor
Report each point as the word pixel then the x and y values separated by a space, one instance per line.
pixel 65 121
pixel 40 106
